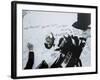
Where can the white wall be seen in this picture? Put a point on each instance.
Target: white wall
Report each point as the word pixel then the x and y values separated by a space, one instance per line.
pixel 5 40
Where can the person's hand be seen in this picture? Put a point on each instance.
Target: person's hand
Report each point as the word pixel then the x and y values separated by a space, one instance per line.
pixel 30 46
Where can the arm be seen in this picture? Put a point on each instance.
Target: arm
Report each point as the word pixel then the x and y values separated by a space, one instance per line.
pixel 30 61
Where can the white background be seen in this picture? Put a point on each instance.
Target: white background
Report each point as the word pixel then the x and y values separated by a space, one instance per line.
pixel 5 40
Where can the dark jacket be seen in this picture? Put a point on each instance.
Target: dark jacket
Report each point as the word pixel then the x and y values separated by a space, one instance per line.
pixel 30 61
